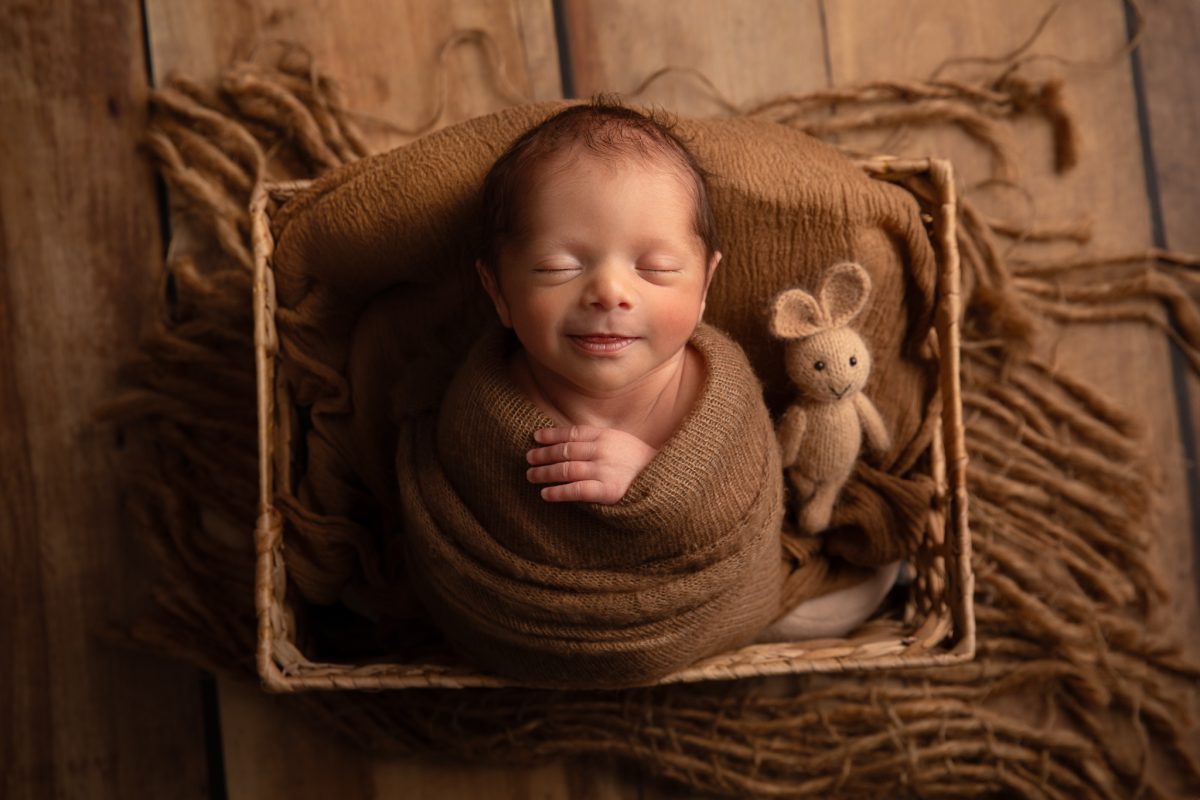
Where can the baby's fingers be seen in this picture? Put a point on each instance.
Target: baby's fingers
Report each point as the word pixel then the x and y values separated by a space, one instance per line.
pixel 567 451
pixel 567 433
pixel 580 491
pixel 562 472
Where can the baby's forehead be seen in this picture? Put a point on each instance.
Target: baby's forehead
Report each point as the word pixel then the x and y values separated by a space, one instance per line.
pixel 577 163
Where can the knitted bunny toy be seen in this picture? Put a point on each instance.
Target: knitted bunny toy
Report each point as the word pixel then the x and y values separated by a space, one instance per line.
pixel 822 432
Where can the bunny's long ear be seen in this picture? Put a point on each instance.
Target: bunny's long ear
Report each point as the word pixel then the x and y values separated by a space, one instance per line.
pixel 796 314
pixel 844 292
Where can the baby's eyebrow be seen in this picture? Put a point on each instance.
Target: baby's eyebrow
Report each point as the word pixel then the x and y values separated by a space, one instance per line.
pixel 671 248
pixel 550 241
pixel 550 244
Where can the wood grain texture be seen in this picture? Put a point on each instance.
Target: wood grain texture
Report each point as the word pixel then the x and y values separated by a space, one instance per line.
pixel 79 252
pixel 273 750
pixel 535 21
pixel 749 50
pixel 383 52
pixel 1169 60
pixel 433 780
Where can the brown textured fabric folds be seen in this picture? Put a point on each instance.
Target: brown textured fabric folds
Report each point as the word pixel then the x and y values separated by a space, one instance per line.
pixel 378 303
pixel 582 595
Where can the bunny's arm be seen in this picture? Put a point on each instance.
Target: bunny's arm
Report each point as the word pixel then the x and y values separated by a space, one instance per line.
pixel 878 438
pixel 791 432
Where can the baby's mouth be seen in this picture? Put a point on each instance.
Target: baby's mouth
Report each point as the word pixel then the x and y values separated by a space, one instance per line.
pixel 602 343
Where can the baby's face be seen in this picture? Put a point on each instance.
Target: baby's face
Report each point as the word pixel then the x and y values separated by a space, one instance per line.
pixel 608 282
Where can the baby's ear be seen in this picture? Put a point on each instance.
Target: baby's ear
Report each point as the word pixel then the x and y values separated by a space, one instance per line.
pixel 844 292
pixel 488 279
pixel 713 261
pixel 796 315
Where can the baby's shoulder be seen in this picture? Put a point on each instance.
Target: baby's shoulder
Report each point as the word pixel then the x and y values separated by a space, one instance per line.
pixel 721 356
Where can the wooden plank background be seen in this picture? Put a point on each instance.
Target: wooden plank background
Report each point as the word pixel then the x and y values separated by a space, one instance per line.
pixel 80 248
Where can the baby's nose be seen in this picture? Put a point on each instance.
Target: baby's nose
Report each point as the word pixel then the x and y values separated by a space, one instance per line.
pixel 610 288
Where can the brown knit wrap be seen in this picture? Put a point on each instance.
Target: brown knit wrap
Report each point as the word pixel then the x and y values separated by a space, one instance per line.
pixel 579 595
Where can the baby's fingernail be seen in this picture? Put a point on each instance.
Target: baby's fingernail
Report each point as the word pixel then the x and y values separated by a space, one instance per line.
pixel 540 434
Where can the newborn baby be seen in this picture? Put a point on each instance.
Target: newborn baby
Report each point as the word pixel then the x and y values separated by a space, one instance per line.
pixel 601 250
pixel 641 531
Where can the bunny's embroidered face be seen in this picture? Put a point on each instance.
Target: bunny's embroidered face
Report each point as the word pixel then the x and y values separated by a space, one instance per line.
pixel 830 365
pixel 825 359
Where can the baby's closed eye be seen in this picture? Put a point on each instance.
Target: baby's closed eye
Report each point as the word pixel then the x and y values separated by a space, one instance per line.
pixel 557 266
pixel 557 271
pixel 659 271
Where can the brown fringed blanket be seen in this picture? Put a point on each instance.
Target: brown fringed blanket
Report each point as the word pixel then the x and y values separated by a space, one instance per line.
pixel 582 595
pixel 1071 693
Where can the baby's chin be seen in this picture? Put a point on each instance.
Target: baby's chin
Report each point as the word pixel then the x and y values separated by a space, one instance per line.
pixel 607 380
pixel 605 376
pixel 612 379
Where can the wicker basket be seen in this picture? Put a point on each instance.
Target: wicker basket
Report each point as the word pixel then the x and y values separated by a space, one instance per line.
pixel 938 625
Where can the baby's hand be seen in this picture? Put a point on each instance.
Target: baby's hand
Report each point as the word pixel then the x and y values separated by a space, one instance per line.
pixel 593 465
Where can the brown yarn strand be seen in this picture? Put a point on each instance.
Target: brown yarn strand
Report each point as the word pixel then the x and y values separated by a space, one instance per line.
pixel 1060 505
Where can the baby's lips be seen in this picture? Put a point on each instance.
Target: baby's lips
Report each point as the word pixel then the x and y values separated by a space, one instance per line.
pixel 603 342
pixel 602 337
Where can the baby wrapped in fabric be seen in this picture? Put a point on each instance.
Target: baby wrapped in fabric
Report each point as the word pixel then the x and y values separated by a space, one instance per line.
pixel 657 539
pixel 686 564
pixel 684 551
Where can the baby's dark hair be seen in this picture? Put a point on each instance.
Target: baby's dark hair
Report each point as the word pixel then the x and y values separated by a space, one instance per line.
pixel 604 128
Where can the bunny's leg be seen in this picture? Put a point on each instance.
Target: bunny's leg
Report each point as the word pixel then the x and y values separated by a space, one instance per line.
pixel 803 489
pixel 815 514
pixel 803 486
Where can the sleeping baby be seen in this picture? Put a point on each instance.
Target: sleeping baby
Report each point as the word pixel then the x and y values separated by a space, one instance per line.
pixel 600 501
pixel 601 248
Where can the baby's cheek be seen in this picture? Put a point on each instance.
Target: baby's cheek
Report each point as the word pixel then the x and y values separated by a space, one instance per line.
pixel 534 317
pixel 678 319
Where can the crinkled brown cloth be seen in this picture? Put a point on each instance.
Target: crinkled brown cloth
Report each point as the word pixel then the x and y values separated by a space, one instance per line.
pixel 378 302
